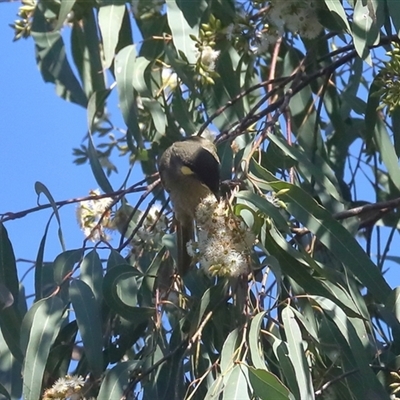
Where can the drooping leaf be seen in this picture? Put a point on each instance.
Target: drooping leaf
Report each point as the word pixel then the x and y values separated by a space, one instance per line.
pixel 394 12
pixel 236 383
pixel 334 236
pixel 92 274
pixel 10 372
pixel 267 386
pixel 110 17
pixel 228 353
pixel 125 62
pixel 89 323
pixel 184 19
pixel 86 53
pixel 8 267
pixel 46 320
pixel 387 152
pixel 65 8
pixel 112 294
pixel 337 10
pixel 372 385
pixel 254 342
pixel 116 380
pixel 10 324
pixel 64 263
pixel 52 59
pixel 97 169
pixel 41 188
pixel 297 354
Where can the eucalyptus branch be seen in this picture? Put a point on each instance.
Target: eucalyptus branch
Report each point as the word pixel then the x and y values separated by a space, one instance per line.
pixel 382 206
pixel 334 380
pixel 252 118
pixel 8 216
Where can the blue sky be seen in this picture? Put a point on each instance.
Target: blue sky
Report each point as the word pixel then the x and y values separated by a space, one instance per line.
pixel 38 132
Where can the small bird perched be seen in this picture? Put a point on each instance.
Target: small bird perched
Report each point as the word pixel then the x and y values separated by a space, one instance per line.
pixel 189 171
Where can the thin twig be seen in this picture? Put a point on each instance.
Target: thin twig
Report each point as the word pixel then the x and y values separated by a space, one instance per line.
pixel 8 216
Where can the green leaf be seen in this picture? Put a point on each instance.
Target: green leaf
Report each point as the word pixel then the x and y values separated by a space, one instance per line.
pixel 214 96
pixel 96 105
pixel 8 266
pixel 86 52
pixel 125 62
pixel 4 392
pixel 6 298
pixel 97 169
pixel 157 114
pixel 267 386
pixel 293 266
pixel 319 170
pixel 210 297
pixel 334 236
pixel 236 384
pixel 10 372
pixel 10 324
pixel 361 27
pixel 337 10
pixel 92 274
pixel 138 77
pixel 64 263
pixel 112 292
pixel 46 320
pixel 297 354
pixel 254 342
pixel 228 352
pixel 115 259
pixel 110 18
pixel 396 130
pixel 184 19
pixel 359 352
pixel 281 352
pixel 393 302
pixel 41 188
pixel 149 280
pixel 117 379
pixel 266 207
pixel 52 59
pixel 394 12
pixel 215 389
pixel 39 264
pixel 387 152
pixel 89 324
pixel 179 67
pixel 65 8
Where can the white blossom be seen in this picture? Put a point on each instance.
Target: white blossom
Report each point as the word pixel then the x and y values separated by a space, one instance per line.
pixel 223 241
pixel 169 78
pixel 94 216
pixel 298 16
pixel 65 387
pixel 208 57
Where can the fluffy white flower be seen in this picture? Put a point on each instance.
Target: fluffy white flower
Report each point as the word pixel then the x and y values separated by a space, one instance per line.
pixel 94 216
pixel 208 56
pixel 224 242
pixel 298 16
pixel 169 78
pixel 65 387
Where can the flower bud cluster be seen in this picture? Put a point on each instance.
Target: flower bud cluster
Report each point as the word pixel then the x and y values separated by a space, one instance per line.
pixel 298 16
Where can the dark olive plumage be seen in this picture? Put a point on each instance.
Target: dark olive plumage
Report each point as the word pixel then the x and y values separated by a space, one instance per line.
pixel 189 171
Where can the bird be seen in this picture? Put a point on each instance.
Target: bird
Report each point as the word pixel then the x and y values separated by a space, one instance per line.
pixel 189 171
